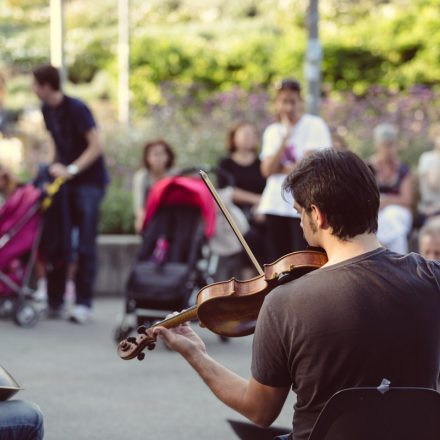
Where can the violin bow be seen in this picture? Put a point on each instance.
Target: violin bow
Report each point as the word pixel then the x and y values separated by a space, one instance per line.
pixel 231 222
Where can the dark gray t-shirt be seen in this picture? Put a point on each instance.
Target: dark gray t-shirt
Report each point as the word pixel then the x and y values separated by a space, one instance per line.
pixel 352 324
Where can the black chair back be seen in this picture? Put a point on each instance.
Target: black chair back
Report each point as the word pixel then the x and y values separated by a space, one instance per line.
pixel 396 413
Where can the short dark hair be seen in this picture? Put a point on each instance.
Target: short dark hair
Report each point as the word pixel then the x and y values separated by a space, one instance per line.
pixel 47 74
pixel 289 84
pixel 230 140
pixel 342 186
pixel 170 153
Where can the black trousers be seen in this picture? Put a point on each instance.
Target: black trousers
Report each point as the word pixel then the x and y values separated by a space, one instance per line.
pixel 283 236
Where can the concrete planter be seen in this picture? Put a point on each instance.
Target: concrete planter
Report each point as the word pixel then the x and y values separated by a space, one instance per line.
pixel 116 256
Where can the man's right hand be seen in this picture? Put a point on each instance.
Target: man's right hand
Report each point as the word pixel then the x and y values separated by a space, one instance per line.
pixel 59 170
pixel 287 125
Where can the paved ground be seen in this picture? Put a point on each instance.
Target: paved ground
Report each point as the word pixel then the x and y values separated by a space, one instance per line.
pixel 87 392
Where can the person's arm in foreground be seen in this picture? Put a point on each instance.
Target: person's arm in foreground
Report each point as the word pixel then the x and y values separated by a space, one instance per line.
pixel 259 403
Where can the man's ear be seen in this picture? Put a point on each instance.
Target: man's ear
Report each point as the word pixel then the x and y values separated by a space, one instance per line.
pixel 318 217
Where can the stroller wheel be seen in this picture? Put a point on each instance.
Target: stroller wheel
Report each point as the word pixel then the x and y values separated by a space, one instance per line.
pixel 25 315
pixel 6 307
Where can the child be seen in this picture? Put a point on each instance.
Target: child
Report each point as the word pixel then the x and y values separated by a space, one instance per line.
pixel 158 159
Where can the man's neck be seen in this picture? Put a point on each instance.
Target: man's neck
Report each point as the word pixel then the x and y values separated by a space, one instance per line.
pixel 338 250
pixel 55 99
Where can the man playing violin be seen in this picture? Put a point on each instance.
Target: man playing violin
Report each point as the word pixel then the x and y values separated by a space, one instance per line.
pixel 367 314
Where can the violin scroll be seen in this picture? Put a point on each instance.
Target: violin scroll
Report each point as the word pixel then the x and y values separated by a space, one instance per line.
pixel 134 346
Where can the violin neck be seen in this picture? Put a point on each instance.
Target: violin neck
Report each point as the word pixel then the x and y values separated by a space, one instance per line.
pixel 180 318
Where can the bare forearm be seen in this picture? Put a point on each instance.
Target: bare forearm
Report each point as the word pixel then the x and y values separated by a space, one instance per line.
pixel 92 152
pixel 227 386
pixel 242 196
pixel 259 403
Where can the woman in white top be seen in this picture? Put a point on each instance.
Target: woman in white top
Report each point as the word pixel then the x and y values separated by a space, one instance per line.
pixel 429 178
pixel 158 159
pixel 285 143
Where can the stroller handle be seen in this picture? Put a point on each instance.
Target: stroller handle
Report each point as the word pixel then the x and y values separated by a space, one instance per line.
pixel 50 190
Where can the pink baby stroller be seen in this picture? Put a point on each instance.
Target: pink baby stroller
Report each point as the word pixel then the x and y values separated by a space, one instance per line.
pixel 171 265
pixel 20 233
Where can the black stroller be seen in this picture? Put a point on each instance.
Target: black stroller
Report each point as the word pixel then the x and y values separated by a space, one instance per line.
pixel 171 264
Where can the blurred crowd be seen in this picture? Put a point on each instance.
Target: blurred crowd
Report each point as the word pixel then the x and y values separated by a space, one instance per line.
pixel 250 175
pixel 249 178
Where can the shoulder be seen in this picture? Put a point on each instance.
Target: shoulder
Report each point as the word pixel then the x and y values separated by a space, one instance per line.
pixel 77 106
pixel 225 162
pixel 426 159
pixel 425 268
pixel 75 102
pixel 426 155
pixel 140 175
pixel 293 292
pixel 313 120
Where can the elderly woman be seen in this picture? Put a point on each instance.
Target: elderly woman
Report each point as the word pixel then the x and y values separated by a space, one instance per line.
pixel 395 186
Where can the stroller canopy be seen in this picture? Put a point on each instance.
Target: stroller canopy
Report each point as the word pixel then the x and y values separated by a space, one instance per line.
pixel 187 191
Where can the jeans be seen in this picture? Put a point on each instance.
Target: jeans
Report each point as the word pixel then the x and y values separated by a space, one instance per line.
pixel 20 420
pixel 84 202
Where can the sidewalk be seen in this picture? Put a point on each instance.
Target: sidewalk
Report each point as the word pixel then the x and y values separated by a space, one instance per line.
pixel 87 392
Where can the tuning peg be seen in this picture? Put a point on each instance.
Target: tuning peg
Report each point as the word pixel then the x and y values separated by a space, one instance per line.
pixel 132 340
pixel 141 356
pixel 142 329
pixel 151 346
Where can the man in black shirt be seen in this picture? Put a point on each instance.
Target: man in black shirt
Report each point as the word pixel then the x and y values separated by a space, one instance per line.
pixel 367 314
pixel 79 159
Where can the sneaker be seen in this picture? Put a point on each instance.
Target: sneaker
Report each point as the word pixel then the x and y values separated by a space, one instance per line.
pixel 80 314
pixel 40 294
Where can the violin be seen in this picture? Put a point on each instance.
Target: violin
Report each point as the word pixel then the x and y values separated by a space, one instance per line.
pixel 230 308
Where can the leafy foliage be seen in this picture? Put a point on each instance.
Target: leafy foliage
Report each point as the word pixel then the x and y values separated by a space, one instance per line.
pixel 223 44
pixel 116 212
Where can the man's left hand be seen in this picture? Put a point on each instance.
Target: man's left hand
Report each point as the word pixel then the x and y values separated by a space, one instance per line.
pixel 182 339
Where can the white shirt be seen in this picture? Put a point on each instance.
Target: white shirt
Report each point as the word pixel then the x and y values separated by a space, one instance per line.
pixel 310 133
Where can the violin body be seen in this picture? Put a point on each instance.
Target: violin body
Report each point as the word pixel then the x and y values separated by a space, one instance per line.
pixel 231 308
